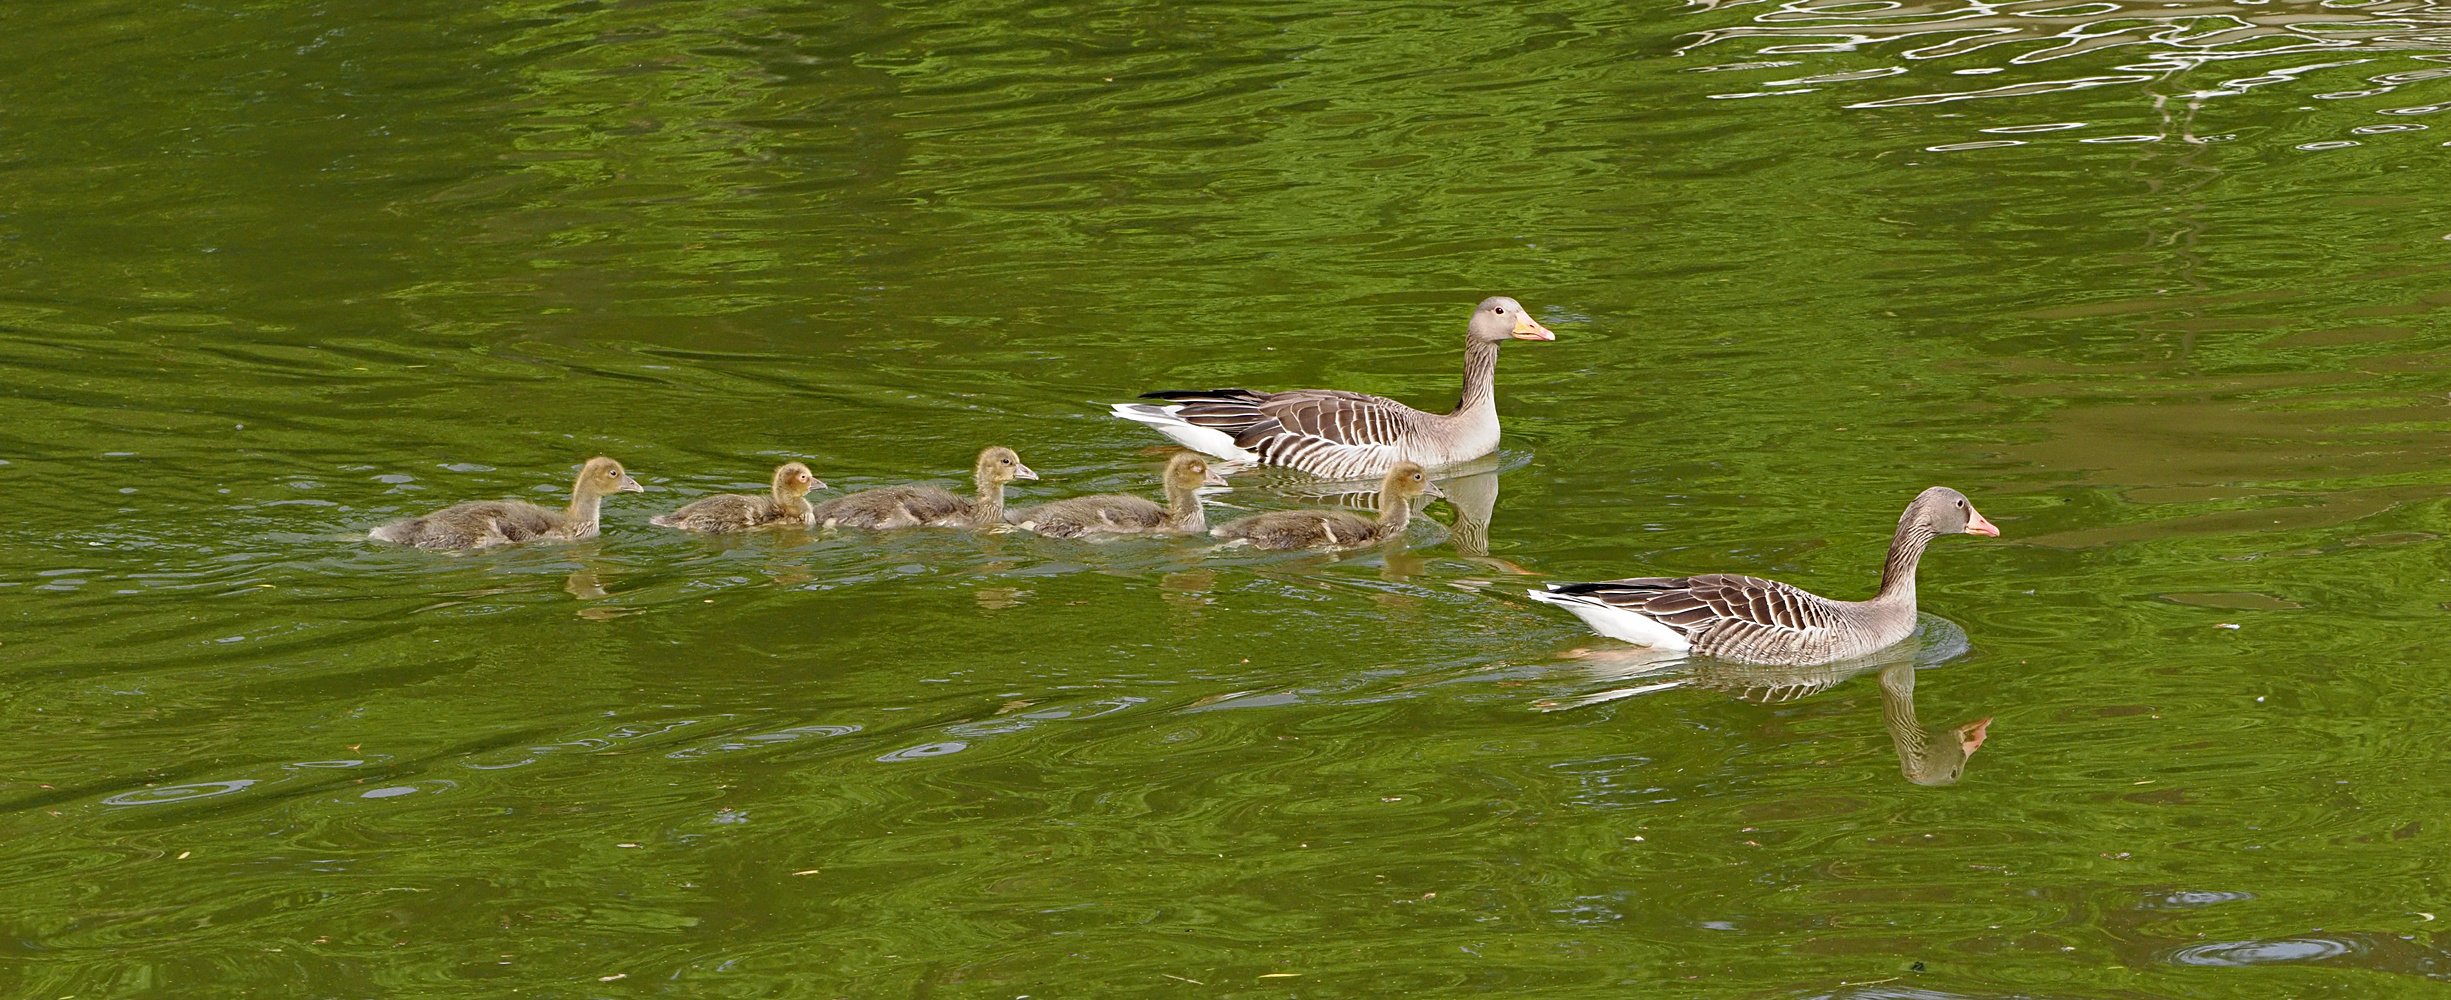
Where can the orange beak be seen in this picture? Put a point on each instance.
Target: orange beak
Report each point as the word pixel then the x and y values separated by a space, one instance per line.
pixel 1972 734
pixel 1976 525
pixel 1528 330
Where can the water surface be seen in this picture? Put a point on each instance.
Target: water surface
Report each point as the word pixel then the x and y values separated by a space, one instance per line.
pixel 2162 286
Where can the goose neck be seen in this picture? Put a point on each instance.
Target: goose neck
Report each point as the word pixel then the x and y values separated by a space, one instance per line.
pixel 988 509
pixel 1394 511
pixel 1184 510
pixel 1898 571
pixel 1480 377
pixel 1898 716
pixel 579 519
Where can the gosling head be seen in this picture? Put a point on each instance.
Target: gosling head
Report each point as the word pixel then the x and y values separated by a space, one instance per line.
pixel 792 479
pixel 1499 318
pixel 1188 471
pixel 1000 465
pixel 1406 481
pixel 1944 511
pixel 602 475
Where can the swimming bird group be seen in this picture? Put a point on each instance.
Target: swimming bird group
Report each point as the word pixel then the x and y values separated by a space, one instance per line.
pixel 1326 432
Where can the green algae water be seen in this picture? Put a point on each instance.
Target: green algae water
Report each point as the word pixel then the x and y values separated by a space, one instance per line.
pixel 2162 286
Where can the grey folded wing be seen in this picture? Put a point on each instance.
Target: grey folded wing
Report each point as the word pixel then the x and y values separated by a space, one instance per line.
pixel 1327 432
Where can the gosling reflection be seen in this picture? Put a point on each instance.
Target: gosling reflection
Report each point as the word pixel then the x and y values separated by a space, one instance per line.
pixel 587 582
pixel 1471 488
pixel 1924 757
pixel 1336 527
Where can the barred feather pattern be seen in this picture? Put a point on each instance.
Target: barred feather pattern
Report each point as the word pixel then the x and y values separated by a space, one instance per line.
pixel 1751 620
pixel 1325 432
pixel 1772 685
pixel 1350 435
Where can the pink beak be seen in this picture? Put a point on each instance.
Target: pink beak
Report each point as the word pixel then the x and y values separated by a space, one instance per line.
pixel 1976 525
pixel 1971 735
pixel 1529 330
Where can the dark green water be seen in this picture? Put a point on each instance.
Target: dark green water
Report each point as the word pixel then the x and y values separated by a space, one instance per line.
pixel 271 274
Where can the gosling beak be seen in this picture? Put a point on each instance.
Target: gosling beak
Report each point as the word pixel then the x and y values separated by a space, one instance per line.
pixel 1525 329
pixel 1976 525
pixel 1431 489
pixel 628 485
pixel 1021 471
pixel 1213 478
pixel 816 484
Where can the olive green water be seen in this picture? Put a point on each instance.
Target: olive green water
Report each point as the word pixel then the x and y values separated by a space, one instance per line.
pixel 2162 286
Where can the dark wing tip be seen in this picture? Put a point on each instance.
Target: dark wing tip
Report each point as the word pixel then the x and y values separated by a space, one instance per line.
pixel 1640 583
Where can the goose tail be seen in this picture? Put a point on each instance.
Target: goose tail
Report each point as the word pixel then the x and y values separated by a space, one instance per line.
pixel 1613 621
pixel 1205 440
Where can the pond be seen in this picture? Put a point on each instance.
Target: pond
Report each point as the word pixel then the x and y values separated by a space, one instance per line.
pixel 2161 286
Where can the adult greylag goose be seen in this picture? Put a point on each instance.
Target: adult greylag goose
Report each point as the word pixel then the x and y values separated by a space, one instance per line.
pixel 1337 529
pixel 482 523
pixel 916 506
pixel 1752 620
pixel 1112 513
pixel 728 512
pixel 1348 435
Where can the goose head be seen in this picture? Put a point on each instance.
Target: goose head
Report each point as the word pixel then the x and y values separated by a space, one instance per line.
pixel 1499 318
pixel 602 475
pixel 999 465
pixel 1945 762
pixel 792 479
pixel 1406 481
pixel 1947 512
pixel 1188 471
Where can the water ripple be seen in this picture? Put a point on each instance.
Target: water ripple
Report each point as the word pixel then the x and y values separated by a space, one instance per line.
pixel 2176 37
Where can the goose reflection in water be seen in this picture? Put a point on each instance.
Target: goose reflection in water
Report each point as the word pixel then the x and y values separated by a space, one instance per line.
pixel 1924 757
pixel 1471 489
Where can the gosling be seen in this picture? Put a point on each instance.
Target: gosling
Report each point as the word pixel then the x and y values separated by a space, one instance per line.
pixel 484 523
pixel 1111 513
pixel 927 506
pixel 724 513
pixel 1337 529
